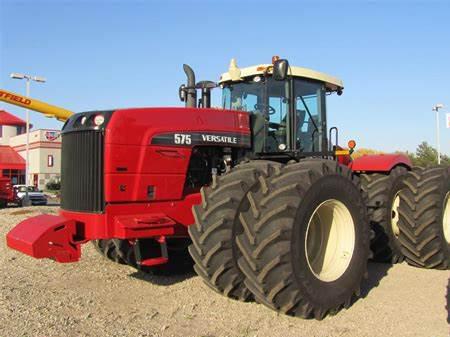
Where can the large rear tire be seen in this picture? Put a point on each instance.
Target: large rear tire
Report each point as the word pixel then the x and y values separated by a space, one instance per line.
pixel 306 239
pixel 216 225
pixel 383 192
pixel 425 218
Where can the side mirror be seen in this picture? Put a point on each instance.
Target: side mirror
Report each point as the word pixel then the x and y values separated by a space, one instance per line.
pixel 280 69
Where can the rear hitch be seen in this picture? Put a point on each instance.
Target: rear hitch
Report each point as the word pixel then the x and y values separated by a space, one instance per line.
pixel 46 236
pixel 153 261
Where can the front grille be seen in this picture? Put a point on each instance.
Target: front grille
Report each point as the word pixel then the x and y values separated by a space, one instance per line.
pixel 82 171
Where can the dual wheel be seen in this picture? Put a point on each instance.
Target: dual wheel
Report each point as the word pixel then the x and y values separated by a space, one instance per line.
pixel 425 218
pixel 294 237
pixel 410 216
pixel 383 202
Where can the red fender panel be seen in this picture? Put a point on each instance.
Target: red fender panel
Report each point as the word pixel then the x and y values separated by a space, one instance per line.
pixel 380 162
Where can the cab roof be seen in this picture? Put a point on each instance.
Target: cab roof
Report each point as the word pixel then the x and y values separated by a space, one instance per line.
pixel 331 83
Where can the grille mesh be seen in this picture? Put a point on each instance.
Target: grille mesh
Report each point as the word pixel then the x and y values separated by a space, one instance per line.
pixel 82 171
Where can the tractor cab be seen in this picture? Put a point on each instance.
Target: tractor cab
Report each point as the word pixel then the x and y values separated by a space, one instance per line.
pixel 287 106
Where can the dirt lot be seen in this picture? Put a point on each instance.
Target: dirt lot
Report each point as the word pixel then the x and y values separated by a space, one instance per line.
pixel 99 298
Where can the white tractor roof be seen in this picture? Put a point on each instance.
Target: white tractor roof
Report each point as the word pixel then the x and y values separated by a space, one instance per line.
pixel 236 74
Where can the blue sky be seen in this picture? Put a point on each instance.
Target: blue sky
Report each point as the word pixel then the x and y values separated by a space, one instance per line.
pixel 393 56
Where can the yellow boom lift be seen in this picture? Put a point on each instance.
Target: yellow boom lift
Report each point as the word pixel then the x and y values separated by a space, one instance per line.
pixel 50 111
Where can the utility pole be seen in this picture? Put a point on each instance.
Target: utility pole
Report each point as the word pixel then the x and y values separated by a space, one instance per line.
pixel 438 139
pixel 28 79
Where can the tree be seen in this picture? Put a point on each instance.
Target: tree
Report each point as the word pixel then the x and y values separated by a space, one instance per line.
pixel 364 152
pixel 53 185
pixel 426 156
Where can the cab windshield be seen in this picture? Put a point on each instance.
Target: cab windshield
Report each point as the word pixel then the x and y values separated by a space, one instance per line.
pixel 269 103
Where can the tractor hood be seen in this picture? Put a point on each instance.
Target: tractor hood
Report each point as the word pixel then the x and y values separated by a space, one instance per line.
pixel 170 126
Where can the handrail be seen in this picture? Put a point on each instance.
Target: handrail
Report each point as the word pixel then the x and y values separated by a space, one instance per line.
pixel 330 145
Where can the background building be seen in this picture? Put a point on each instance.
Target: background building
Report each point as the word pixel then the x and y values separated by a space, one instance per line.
pixel 44 152
pixel 12 165
pixel 10 126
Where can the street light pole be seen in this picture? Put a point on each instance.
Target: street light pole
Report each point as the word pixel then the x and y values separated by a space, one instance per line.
pixel 27 146
pixel 438 138
pixel 28 79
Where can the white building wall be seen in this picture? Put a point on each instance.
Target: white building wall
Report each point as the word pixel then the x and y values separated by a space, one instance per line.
pixel 48 173
pixel 41 146
pixel 7 132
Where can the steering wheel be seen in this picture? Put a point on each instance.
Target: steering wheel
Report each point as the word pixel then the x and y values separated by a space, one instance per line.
pixel 257 106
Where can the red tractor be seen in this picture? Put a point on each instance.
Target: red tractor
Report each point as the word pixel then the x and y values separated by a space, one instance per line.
pixel 270 206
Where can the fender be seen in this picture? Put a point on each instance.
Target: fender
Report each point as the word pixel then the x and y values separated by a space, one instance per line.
pixel 380 162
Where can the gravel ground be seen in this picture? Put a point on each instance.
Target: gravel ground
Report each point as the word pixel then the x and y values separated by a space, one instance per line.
pixel 96 297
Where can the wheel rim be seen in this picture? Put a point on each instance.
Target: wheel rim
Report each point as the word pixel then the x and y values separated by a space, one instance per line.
pixel 330 240
pixel 395 216
pixel 446 218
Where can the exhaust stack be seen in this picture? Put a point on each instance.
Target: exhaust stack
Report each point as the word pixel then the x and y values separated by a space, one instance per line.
pixel 188 93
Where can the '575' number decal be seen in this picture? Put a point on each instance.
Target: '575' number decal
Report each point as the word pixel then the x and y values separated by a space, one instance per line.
pixel 181 138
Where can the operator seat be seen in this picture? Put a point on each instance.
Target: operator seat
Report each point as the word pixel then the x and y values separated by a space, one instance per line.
pixel 314 142
pixel 300 119
pixel 261 137
pixel 305 138
pixel 299 134
pixel 258 122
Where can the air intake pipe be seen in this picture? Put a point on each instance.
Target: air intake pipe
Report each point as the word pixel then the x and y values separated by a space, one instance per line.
pixel 188 93
pixel 205 87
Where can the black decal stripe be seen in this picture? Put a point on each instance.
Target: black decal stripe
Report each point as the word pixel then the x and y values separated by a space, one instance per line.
pixel 203 138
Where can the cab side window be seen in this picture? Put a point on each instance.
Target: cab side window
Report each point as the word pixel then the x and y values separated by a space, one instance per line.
pixel 308 116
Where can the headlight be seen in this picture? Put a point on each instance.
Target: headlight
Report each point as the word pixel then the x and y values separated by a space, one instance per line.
pixel 99 120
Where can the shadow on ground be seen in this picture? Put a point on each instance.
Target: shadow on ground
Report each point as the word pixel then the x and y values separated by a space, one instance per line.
pixel 161 279
pixel 174 273
pixel 178 269
pixel 49 204
pixel 376 272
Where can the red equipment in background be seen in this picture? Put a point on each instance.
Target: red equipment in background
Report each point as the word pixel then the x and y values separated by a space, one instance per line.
pixel 6 192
